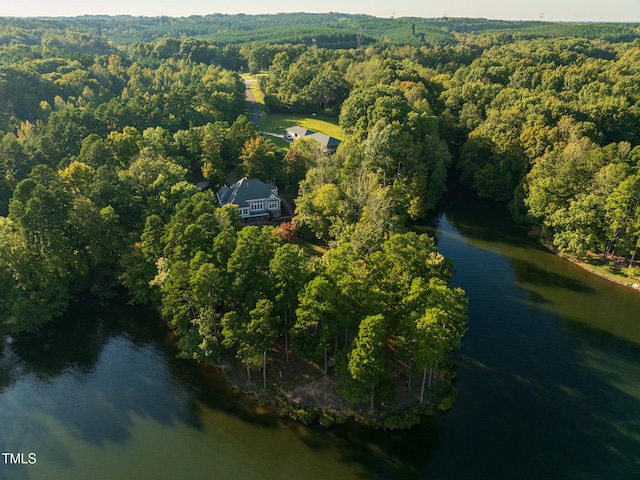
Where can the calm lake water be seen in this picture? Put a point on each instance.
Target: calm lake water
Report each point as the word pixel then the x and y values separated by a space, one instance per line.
pixel 548 380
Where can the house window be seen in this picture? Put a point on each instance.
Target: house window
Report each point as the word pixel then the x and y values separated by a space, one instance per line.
pixel 256 206
pixel 244 211
pixel 273 205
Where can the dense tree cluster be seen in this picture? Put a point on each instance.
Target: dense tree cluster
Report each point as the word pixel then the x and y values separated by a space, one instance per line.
pixel 99 163
pixel 551 126
pixel 587 198
pixel 90 146
pixel 507 105
pixel 104 134
pixel 225 287
pixel 502 103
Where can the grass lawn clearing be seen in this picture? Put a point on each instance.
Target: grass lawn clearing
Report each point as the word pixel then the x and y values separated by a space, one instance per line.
pixel 309 249
pixel 280 142
pixel 279 122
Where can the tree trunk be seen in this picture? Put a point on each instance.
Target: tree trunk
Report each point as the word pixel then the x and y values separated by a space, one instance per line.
pixel 424 380
pixel 633 257
pixel 326 367
pixel 346 336
pixel 409 373
pixel 248 370
pixel 286 337
pixel 371 404
pixel 264 370
pixel 608 246
pixel 430 374
pixel 614 243
pixel 324 345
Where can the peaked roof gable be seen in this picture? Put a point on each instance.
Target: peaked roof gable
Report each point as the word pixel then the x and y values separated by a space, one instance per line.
pixel 300 131
pixel 245 190
pixel 324 139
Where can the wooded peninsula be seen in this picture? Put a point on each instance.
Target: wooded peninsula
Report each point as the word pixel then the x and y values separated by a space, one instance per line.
pixel 116 134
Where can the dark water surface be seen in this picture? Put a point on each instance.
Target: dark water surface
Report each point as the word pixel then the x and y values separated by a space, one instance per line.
pixel 548 380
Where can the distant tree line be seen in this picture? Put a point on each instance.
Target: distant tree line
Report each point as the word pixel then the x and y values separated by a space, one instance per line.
pixel 330 30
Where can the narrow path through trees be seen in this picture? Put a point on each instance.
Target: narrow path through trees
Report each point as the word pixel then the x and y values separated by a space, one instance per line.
pixel 254 108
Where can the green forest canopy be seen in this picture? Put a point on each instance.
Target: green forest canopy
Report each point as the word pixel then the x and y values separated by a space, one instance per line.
pixel 331 30
pixel 107 123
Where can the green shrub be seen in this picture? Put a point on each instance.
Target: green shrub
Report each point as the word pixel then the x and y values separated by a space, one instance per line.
pixel 304 415
pixel 400 421
pixel 448 401
pixel 632 272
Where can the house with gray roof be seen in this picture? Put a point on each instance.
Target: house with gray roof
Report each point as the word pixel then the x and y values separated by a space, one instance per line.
pixel 257 201
pixel 298 132
pixel 327 143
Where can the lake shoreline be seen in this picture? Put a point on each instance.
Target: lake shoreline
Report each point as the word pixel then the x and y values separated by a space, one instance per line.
pixel 298 389
pixel 629 284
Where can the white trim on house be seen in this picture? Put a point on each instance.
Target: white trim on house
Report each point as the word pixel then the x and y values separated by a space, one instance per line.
pixel 255 199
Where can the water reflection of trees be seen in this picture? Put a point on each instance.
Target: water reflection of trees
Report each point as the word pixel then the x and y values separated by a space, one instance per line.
pixel 569 400
pixel 488 225
pixel 7 365
pixel 482 220
pixel 75 341
pixel 71 341
pixel 102 365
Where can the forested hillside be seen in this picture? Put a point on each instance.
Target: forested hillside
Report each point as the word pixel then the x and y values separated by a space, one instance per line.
pixel 107 124
pixel 551 126
pixel 327 30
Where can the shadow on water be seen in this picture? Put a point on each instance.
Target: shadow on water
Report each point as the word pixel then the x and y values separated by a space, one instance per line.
pixel 483 220
pixel 528 273
pixel 546 390
pixel 100 368
pixel 95 371
pixel 379 454
pixel 8 373
pixel 489 225
pixel 592 405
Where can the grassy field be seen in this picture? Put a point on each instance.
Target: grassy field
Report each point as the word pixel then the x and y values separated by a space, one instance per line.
pixel 254 88
pixel 280 142
pixel 278 123
pixel 309 249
